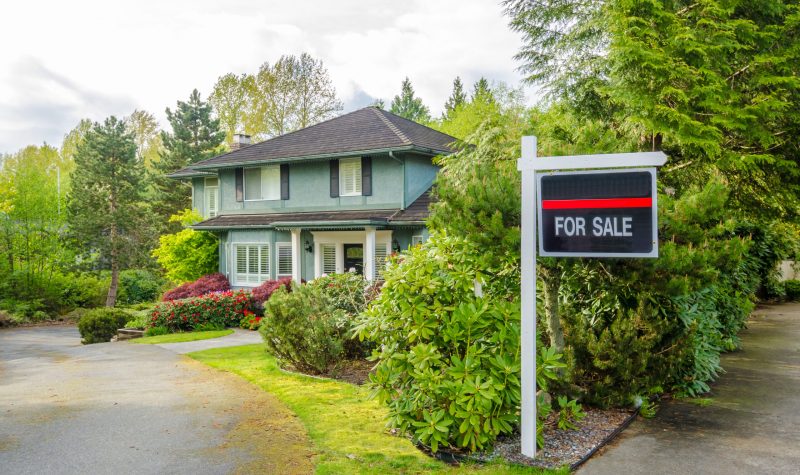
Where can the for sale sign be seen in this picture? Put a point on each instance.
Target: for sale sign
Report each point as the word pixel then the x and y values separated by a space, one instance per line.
pixel 598 213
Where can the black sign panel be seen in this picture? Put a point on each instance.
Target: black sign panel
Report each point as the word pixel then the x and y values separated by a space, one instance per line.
pixel 598 214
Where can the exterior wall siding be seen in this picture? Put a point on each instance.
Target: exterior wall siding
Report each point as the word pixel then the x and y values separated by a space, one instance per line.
pixel 420 173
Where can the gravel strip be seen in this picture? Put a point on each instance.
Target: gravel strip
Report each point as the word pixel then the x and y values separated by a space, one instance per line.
pixel 564 447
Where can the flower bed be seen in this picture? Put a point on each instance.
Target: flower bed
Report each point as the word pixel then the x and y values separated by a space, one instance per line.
pixel 222 309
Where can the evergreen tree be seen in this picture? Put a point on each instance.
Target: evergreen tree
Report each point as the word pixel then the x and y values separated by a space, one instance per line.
pixel 195 136
pixel 482 92
pixel 409 106
pixel 105 208
pixel 457 98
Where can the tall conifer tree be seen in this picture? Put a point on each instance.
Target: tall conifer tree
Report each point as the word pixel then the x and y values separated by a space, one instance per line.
pixel 105 207
pixel 457 97
pixel 195 136
pixel 409 106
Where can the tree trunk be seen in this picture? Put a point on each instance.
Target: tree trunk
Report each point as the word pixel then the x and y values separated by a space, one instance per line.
pixel 552 284
pixel 111 299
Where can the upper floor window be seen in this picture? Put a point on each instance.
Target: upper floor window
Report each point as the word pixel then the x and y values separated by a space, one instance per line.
pixel 212 197
pixel 350 176
pixel 262 183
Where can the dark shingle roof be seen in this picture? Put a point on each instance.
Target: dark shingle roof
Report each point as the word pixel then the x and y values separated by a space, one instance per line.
pixel 416 213
pixel 362 131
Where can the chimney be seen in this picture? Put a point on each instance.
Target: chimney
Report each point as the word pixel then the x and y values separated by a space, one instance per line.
pixel 240 141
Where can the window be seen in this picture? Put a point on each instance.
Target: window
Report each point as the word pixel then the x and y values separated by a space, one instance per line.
pixel 252 263
pixel 416 240
pixel 350 176
pixel 284 250
pixel 212 197
pixel 328 258
pixel 381 253
pixel 263 183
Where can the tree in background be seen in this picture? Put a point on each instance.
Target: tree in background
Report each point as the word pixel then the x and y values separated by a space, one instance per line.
pixel 188 254
pixel 229 99
pixel 107 206
pixel 409 106
pixel 457 97
pixel 144 127
pixel 291 94
pixel 714 84
pixel 195 136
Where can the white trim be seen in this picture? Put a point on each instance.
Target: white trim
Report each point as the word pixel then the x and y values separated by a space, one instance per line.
pixel 606 160
pixel 278 246
pixel 419 238
pixel 339 239
pixel 297 255
pixel 235 271
pixel 356 177
pixel 369 253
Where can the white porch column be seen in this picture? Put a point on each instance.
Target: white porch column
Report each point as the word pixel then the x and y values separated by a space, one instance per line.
pixel 369 253
pixel 297 256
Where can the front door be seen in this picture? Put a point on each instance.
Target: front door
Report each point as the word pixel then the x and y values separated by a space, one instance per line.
pixel 354 258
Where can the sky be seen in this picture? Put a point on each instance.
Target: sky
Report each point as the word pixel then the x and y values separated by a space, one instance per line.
pixel 62 61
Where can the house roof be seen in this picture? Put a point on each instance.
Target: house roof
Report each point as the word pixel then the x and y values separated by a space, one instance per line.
pixel 364 131
pixel 416 213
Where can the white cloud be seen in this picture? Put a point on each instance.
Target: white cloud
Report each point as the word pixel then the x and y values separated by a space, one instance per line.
pixel 63 61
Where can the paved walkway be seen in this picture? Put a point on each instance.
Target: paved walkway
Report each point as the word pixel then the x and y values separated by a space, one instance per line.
pixel 237 338
pixel 122 408
pixel 752 426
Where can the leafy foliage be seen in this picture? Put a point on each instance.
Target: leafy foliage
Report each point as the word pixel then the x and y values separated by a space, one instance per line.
pixel 204 285
pixel 792 290
pixel 138 286
pixel 410 106
pixel 263 292
pixel 100 325
pixel 219 310
pixel 187 254
pixel 303 329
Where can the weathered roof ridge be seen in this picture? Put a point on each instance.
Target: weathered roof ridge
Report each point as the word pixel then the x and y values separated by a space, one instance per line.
pixel 379 112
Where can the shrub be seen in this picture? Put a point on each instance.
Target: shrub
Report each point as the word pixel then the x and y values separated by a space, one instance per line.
pixel 138 286
pixel 138 321
pixel 263 292
pixel 792 289
pixel 188 254
pixel 250 321
pixel 303 329
pixel 223 309
pixel 155 331
pixel 202 286
pixel 101 324
pixel 448 361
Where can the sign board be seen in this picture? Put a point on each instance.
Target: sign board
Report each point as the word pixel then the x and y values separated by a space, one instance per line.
pixel 601 213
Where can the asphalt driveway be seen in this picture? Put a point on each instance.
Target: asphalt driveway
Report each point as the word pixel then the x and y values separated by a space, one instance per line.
pixel 124 408
pixel 751 427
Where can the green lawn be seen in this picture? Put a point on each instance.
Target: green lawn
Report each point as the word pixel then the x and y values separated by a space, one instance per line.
pixel 345 426
pixel 182 337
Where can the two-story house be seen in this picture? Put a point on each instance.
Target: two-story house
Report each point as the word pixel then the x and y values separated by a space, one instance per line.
pixel 340 195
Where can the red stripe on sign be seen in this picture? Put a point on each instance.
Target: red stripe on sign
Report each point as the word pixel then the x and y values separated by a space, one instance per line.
pixel 598 203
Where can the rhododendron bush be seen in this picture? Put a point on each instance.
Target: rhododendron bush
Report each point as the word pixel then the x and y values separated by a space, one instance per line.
pixel 221 309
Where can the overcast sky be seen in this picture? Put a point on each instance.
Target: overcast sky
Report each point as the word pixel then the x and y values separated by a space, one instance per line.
pixel 61 61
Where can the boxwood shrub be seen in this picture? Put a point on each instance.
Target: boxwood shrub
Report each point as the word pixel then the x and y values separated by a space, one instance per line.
pixel 222 309
pixel 101 324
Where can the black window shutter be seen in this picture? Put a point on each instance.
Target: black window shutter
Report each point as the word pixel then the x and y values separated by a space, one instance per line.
pixel 334 178
pixel 239 173
pixel 285 181
pixel 366 176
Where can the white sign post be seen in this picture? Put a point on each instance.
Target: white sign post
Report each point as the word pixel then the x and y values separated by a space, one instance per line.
pixel 528 165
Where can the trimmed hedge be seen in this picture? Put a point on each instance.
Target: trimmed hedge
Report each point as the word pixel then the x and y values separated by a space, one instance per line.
pixel 202 286
pixel 223 309
pixel 100 325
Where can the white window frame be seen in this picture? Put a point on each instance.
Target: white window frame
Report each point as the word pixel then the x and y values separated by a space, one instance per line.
pixel 261 277
pixel 278 247
pixel 417 239
pixel 206 187
pixel 338 239
pixel 350 166
pixel 274 191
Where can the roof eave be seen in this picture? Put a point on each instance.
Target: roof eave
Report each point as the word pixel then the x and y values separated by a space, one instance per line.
pixel 325 156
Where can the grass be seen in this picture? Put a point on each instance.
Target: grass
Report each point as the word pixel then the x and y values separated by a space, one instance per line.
pixel 182 337
pixel 346 428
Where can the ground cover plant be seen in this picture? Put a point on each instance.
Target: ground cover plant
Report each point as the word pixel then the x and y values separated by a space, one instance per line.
pixel 219 309
pixel 345 425
pixel 182 337
pixel 204 285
